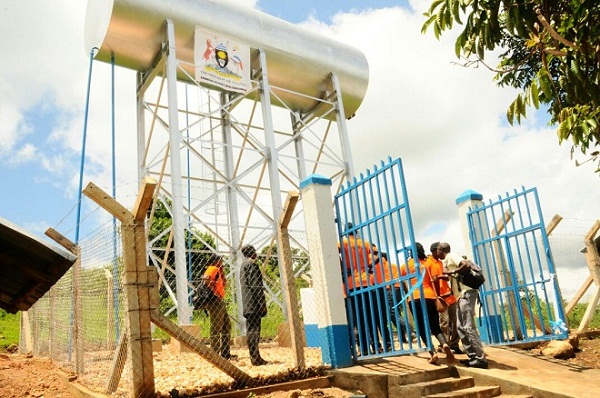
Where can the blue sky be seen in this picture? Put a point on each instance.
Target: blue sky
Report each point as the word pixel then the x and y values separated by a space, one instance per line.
pixel 298 11
pixel 446 122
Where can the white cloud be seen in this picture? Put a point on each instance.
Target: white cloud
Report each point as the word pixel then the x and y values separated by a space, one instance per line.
pixel 24 154
pixel 448 125
pixel 446 122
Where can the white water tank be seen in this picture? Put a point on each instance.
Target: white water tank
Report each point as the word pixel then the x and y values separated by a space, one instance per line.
pixel 297 59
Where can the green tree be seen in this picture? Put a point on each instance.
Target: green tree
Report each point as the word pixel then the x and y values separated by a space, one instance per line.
pixel 551 52
pixel 271 263
pixel 199 246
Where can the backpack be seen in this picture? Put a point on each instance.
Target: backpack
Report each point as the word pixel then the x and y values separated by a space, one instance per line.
pixel 472 276
pixel 203 295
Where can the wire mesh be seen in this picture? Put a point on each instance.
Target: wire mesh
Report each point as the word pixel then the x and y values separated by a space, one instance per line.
pixel 82 323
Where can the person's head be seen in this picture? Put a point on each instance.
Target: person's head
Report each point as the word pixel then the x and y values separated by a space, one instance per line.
pixel 215 260
pixel 249 251
pixel 434 250
pixel 375 253
pixel 349 227
pixel 444 247
pixel 420 251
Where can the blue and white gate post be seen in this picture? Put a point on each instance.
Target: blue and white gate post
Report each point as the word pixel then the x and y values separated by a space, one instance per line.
pixel 490 329
pixel 325 265
pixel 468 200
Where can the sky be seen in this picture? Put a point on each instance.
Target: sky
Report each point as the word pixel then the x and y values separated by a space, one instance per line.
pixel 446 122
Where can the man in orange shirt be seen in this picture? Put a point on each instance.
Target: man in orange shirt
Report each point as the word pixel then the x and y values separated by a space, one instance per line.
pixel 394 297
pixel 356 256
pixel 441 288
pixel 379 274
pixel 429 295
pixel 220 325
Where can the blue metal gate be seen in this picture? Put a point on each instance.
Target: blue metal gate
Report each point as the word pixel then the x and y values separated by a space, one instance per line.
pixel 520 300
pixel 376 239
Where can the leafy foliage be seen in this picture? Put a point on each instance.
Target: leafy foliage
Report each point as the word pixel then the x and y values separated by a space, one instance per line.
pixel 268 261
pixel 577 314
pixel 199 246
pixel 551 52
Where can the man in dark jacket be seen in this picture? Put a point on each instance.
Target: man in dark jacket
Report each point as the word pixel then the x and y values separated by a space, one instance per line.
pixel 253 301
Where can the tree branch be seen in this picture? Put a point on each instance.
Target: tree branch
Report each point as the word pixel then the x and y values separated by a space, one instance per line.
pixel 552 32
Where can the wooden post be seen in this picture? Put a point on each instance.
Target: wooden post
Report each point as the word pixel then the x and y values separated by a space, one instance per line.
pixel 78 316
pixel 77 305
pixel 110 317
pixel 586 285
pixel 593 261
pixel 135 285
pixel 288 279
pixel 142 301
pixel 26 331
pixel 591 253
pixel 118 362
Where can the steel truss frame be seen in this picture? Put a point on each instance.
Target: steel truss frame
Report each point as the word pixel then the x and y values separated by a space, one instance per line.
pixel 224 161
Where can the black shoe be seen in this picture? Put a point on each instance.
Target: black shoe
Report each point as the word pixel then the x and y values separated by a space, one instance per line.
pixel 466 361
pixel 259 362
pixel 457 350
pixel 478 363
pixel 230 356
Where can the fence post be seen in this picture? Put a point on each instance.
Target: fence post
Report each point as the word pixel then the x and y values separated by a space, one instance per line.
pixel 288 279
pixel 136 284
pixel 593 261
pixel 325 264
pixel 77 306
pixel 467 200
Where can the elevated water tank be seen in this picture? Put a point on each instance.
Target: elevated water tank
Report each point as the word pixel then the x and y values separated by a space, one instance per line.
pixel 297 59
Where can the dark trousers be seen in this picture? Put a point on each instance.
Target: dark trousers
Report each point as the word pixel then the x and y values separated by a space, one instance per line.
pixel 253 325
pixel 220 327
pixel 357 305
pixel 369 313
pixel 434 321
pixel 381 320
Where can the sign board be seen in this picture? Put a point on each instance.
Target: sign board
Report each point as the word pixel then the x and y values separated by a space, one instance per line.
pixel 222 62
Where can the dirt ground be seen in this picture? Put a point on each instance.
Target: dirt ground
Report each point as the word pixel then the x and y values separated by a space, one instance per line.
pixel 24 376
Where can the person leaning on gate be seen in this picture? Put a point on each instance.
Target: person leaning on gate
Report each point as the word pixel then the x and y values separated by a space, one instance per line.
pixel 357 256
pixel 394 295
pixel 467 329
pixel 220 325
pixel 439 286
pixel 429 295
pixel 448 319
pixel 254 302
pixel 378 275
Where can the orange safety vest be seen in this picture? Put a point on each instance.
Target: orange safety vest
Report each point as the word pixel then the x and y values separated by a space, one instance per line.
pixel 427 286
pixel 436 268
pixel 356 254
pixel 217 279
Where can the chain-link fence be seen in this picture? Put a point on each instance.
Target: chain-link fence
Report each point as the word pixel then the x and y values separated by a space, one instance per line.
pixel 239 335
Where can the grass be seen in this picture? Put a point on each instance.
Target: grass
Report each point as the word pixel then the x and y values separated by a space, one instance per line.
pixel 9 329
pixel 10 324
pixel 270 324
pixel 577 314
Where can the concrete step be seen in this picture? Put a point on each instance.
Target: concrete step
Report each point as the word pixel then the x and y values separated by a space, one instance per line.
pixel 515 396
pixel 471 392
pixel 424 376
pixel 437 386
